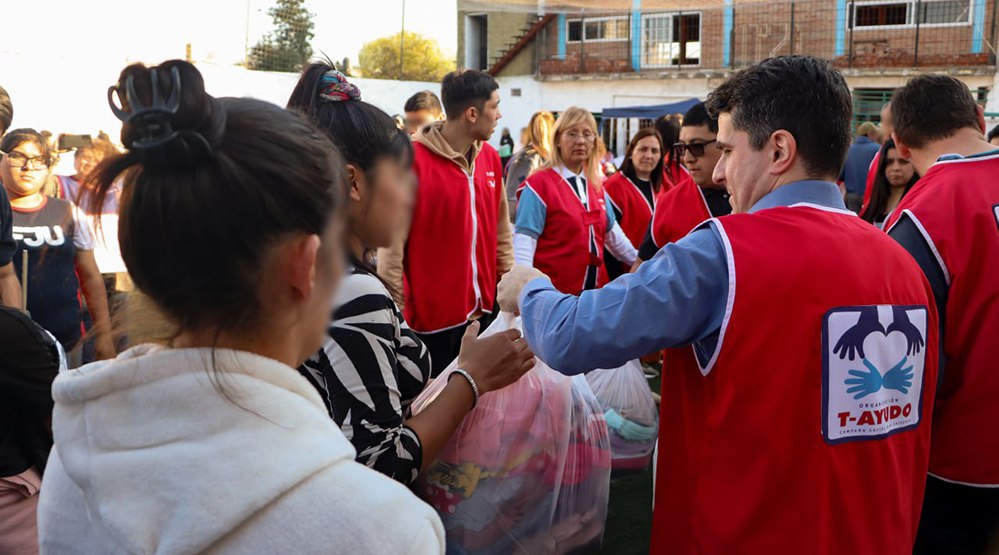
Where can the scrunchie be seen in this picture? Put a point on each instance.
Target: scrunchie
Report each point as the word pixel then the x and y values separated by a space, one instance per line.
pixel 335 87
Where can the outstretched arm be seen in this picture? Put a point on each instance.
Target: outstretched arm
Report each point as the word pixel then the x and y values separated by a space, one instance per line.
pixel 677 298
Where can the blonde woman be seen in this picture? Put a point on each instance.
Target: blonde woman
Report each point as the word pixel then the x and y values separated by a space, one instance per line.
pixel 536 151
pixel 562 223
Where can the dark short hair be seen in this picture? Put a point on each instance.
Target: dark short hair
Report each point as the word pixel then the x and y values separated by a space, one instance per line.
pixel 424 100
pixel 993 133
pixel 17 137
pixel 932 107
pixel 361 131
pixel 201 211
pixel 6 111
pixel 802 95
pixel 466 88
pixel 668 127
pixel 698 115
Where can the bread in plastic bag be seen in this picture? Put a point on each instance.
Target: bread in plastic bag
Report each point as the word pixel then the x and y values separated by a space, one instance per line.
pixel 630 411
pixel 528 470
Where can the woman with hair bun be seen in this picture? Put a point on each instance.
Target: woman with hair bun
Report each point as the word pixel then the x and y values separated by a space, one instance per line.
pixel 372 366
pixel 209 440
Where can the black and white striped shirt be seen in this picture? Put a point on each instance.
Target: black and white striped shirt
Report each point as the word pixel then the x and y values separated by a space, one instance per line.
pixel 368 372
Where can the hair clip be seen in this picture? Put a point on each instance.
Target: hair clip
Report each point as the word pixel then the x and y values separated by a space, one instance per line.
pixel 152 122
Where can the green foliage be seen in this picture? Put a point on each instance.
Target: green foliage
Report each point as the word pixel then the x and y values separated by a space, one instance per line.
pixel 287 47
pixel 422 59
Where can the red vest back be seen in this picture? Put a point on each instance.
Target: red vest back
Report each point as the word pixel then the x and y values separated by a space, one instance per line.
pixel 636 212
pixel 956 207
pixel 808 431
pixel 563 252
pixel 450 259
pixel 678 211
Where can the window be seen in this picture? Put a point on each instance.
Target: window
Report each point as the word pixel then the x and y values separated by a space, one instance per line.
pixel 671 39
pixel 910 12
pixel 598 29
pixel 945 12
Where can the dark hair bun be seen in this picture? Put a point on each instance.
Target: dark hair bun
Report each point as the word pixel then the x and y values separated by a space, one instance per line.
pixel 168 117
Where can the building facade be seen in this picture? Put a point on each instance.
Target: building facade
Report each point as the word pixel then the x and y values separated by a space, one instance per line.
pixel 612 53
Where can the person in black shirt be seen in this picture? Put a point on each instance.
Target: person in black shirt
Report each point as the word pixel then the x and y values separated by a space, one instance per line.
pixel 10 288
pixel 60 248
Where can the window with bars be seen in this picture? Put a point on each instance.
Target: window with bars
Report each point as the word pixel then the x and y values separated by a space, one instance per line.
pixel 909 13
pixel 671 39
pixel 598 29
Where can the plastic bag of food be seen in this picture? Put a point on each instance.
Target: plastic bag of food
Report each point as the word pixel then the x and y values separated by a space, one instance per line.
pixel 528 470
pixel 630 411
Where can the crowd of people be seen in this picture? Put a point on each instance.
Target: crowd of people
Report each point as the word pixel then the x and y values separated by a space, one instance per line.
pixel 213 338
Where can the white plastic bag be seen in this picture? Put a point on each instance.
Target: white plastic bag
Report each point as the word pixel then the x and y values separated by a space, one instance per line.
pixel 528 471
pixel 630 411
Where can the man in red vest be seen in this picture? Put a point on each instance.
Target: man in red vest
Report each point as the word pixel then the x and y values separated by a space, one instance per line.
pixel 459 238
pixel 804 426
pixel 695 197
pixel 949 222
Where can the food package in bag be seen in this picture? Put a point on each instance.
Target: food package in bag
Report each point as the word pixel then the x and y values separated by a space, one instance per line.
pixel 630 411
pixel 528 470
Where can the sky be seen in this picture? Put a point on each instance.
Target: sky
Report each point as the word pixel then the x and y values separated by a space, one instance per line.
pixel 116 31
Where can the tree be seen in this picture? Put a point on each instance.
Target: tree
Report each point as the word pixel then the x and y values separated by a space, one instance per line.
pixel 422 59
pixel 286 48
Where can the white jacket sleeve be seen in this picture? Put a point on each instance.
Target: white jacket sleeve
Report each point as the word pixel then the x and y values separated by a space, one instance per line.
pixel 620 246
pixel 524 247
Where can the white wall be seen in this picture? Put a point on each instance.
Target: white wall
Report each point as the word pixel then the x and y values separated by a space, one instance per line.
pixel 593 95
pixel 65 97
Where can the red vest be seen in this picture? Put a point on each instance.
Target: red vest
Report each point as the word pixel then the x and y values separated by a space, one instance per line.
pixel 563 252
pixel 678 211
pixel 956 207
pixel 783 444
pixel 636 212
pixel 872 174
pixel 450 259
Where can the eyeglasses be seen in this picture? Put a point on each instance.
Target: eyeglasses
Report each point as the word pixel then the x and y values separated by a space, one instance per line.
pixel 695 149
pixel 585 135
pixel 20 161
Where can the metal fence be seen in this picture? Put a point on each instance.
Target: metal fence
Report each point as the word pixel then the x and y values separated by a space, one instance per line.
pixel 864 34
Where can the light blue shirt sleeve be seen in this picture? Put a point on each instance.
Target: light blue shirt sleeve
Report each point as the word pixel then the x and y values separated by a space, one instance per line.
pixel 677 298
pixel 611 218
pixel 531 213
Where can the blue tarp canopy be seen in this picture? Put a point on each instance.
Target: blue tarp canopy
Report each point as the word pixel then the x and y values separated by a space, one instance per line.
pixel 649 112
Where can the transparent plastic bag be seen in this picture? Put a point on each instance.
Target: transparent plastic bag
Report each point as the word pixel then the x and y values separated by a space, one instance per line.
pixel 630 411
pixel 528 470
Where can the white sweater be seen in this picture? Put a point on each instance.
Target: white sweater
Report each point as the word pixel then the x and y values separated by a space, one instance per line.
pixel 149 458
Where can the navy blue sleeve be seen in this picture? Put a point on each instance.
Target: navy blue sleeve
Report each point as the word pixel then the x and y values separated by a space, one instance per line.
pixel 7 244
pixel 908 235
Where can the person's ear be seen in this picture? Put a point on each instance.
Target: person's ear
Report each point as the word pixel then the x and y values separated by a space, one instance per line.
pixel 472 114
pixel 358 185
pixel 784 151
pixel 903 149
pixel 981 118
pixel 300 257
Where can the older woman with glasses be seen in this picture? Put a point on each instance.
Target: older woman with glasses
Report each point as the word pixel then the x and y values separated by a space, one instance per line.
pixel 59 248
pixel 563 223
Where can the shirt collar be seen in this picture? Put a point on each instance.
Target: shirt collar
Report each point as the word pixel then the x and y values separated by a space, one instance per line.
pixel 863 139
pixel 949 157
pixel 564 172
pixel 822 193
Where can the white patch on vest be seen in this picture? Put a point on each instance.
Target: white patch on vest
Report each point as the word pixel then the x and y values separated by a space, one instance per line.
pixel 873 363
pixel 491 179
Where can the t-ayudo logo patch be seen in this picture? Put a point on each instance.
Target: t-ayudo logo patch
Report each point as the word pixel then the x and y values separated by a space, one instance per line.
pixel 873 361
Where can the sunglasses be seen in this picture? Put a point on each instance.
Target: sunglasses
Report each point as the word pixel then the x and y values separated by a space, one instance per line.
pixel 695 149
